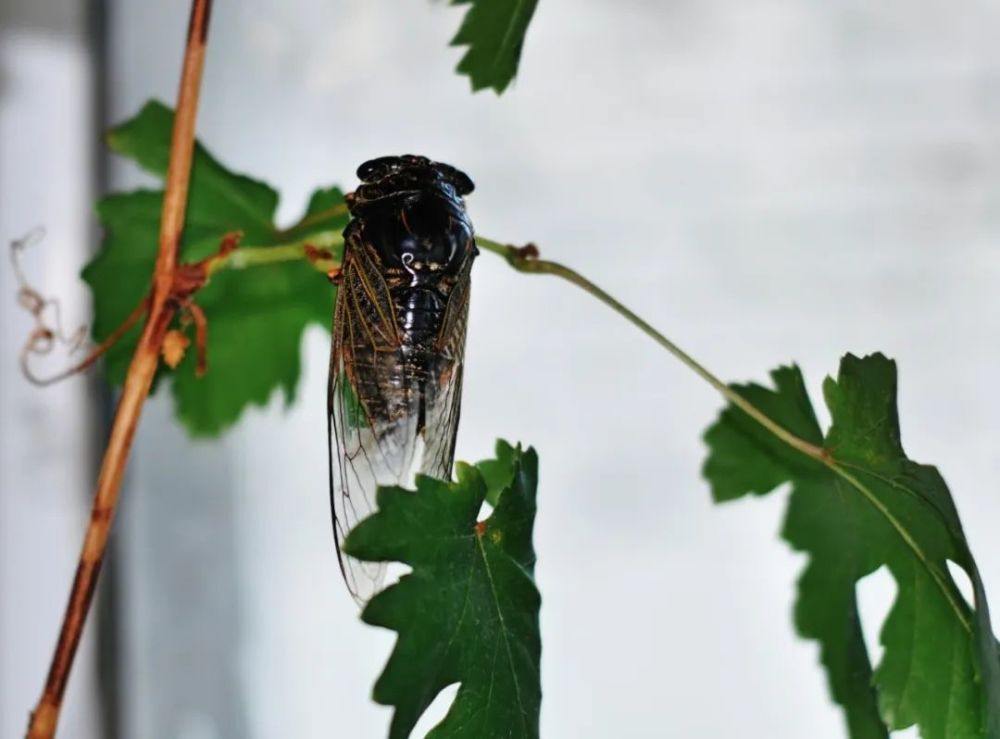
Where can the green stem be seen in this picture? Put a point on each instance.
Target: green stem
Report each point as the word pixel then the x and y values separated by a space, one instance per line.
pixel 525 260
pixel 255 256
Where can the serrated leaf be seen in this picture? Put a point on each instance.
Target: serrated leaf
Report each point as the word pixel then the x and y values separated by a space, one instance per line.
pixel 256 317
pixel 468 611
pixel 872 507
pixel 494 31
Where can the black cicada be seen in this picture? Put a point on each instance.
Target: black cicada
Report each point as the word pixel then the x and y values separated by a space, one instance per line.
pixel 395 383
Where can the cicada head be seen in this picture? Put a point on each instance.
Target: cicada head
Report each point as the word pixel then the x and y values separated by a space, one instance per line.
pixel 413 168
pixel 410 210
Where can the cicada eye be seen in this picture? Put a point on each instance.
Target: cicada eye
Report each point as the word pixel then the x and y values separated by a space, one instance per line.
pixel 463 184
pixel 456 178
pixel 376 169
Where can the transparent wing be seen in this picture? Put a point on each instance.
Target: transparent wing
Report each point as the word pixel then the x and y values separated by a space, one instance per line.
pixel 363 454
pixel 387 419
pixel 445 394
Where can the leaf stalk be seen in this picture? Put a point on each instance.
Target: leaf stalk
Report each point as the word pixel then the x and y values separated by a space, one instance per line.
pixel 525 259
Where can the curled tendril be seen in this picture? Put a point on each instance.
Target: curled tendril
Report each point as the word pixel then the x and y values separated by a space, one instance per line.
pixel 48 332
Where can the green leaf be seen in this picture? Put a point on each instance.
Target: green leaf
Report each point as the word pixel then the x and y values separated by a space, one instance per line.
pixel 498 473
pixel 256 316
pixel 494 31
pixel 468 611
pixel 870 507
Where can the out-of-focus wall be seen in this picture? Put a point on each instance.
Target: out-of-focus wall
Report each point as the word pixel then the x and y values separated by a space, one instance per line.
pixel 766 182
pixel 47 141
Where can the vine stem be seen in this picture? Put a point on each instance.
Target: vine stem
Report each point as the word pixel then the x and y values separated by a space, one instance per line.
pixel 162 307
pixel 525 259
pixel 259 256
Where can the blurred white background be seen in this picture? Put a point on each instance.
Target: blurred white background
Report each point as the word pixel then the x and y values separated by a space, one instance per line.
pixel 48 439
pixel 779 181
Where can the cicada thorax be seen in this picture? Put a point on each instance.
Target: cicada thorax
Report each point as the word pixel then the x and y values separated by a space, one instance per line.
pixel 409 249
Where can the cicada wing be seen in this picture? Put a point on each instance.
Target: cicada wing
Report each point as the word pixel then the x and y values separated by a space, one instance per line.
pixel 365 453
pixel 445 394
pixel 441 431
pixel 387 420
pixel 368 446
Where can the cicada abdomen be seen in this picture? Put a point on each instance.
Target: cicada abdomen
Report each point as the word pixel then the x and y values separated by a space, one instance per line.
pixel 395 381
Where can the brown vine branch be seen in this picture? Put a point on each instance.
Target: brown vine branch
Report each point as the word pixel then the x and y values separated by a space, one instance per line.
pixel 162 306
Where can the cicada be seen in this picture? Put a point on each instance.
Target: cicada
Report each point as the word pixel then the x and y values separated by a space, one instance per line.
pixel 395 383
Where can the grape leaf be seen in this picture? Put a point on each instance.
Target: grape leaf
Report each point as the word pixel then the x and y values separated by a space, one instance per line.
pixel 256 316
pixel 494 31
pixel 871 507
pixel 468 611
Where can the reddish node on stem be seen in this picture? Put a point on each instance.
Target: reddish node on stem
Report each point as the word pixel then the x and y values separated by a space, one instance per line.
pixel 188 279
pixel 480 528
pixel 315 255
pixel 528 251
pixel 229 242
